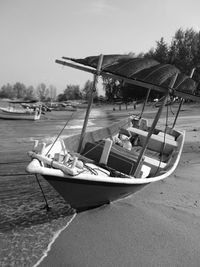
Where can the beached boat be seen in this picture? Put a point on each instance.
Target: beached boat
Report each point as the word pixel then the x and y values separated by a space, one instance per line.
pixel 12 113
pixel 94 168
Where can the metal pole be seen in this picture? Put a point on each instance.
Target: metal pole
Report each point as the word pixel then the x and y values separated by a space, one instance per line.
pixel 147 97
pixel 136 169
pixel 181 102
pixel 90 102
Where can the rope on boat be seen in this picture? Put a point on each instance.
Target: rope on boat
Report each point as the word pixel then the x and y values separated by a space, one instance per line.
pixel 61 132
pixel 15 174
pixel 14 162
pixel 11 163
pixel 46 206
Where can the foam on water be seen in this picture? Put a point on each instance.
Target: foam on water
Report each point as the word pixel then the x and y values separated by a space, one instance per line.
pixel 56 235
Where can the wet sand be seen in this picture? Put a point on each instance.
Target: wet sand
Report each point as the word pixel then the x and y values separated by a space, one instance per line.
pixel 157 226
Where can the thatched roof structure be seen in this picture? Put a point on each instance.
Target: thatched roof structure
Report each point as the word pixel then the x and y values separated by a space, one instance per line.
pixel 140 71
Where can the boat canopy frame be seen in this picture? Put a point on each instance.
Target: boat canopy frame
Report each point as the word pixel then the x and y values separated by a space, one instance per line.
pixel 101 72
pixel 134 81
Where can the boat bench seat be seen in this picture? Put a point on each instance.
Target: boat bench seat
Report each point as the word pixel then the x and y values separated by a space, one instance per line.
pixel 119 158
pixel 150 159
pixel 156 140
pixel 154 164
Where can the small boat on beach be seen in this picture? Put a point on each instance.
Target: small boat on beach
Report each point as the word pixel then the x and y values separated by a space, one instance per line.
pixel 97 167
pixel 13 113
pixel 65 107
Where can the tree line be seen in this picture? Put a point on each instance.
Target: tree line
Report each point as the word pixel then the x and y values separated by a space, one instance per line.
pixel 183 51
pixel 44 93
pixel 20 91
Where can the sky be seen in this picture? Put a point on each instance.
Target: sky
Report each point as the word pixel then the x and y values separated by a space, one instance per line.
pixel 34 33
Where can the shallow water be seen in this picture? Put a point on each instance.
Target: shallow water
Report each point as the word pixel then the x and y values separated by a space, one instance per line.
pixel 26 227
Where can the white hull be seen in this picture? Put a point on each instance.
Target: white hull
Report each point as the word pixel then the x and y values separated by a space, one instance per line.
pixel 83 190
pixel 19 115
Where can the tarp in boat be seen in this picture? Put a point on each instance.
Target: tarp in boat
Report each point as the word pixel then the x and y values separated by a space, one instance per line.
pixel 145 72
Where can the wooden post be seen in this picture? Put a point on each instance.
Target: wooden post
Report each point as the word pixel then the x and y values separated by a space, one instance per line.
pixel 181 102
pixel 147 97
pixel 90 103
pixel 177 113
pixel 137 167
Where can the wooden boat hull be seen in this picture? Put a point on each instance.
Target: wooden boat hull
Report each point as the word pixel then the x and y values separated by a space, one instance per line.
pixel 87 194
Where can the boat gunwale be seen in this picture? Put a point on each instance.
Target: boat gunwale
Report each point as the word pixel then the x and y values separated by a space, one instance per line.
pixel 35 167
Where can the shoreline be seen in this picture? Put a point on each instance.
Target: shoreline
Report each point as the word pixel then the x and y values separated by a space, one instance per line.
pixel 158 226
pixel 97 236
pixel 21 229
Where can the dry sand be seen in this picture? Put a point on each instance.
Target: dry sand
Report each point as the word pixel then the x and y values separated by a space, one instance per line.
pixel 157 226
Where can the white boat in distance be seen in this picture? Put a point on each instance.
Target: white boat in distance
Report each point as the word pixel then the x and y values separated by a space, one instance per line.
pixel 101 166
pixel 12 113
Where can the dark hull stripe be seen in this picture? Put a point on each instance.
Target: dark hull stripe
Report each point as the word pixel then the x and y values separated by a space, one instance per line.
pixel 84 194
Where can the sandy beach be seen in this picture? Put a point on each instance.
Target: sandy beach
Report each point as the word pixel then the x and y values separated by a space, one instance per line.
pixel 157 226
